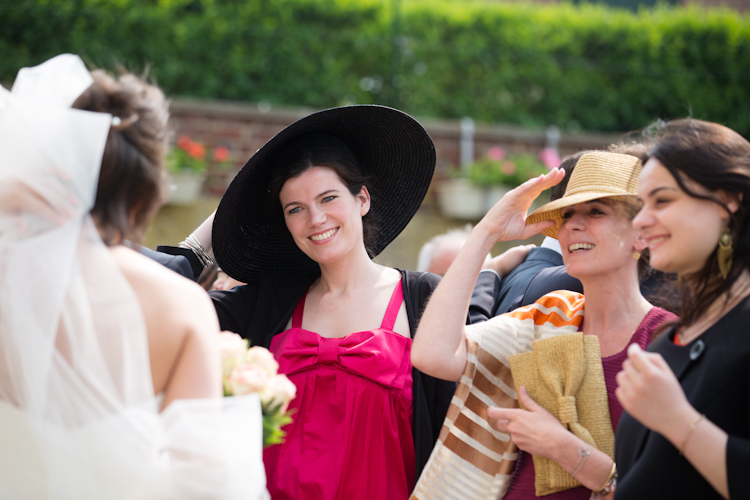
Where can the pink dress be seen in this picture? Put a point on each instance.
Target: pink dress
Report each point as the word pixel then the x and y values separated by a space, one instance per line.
pixel 351 435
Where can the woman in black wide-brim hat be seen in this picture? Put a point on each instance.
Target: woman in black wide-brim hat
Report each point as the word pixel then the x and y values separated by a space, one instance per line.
pixel 300 224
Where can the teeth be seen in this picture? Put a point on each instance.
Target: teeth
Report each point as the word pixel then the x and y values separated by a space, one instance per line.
pixel 323 236
pixel 656 241
pixel 580 246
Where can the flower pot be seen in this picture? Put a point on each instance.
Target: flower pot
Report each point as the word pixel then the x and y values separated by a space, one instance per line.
pixel 460 199
pixel 492 195
pixel 185 187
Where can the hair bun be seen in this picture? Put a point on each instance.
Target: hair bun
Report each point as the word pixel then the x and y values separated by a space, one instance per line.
pixel 119 124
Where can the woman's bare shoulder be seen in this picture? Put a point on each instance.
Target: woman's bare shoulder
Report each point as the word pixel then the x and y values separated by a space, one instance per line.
pixel 162 292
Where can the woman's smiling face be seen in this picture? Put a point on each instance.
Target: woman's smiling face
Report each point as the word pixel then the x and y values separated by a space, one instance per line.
pixel 597 238
pixel 681 231
pixel 322 215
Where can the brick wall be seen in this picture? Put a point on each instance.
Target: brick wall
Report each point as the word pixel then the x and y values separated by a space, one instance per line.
pixel 243 128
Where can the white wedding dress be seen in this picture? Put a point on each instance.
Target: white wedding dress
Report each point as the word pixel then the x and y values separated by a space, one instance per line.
pixel 78 417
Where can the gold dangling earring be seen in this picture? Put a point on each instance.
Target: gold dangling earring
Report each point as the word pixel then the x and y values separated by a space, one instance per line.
pixel 636 255
pixel 724 253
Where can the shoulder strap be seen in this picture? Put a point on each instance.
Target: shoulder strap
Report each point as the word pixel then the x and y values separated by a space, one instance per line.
pixel 394 305
pixel 298 311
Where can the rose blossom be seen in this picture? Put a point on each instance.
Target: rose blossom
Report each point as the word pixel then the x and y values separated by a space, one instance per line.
pixel 246 379
pixel 263 359
pixel 279 390
pixel 232 348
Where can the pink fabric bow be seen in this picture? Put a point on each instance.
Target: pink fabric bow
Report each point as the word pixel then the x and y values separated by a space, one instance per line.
pixel 364 353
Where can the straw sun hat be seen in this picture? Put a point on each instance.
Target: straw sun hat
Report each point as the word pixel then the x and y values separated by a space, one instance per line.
pixel 249 233
pixel 596 175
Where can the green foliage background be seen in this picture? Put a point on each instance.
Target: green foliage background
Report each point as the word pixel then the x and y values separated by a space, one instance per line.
pixel 576 66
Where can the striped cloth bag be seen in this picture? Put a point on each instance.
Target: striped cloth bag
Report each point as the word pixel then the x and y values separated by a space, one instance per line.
pixel 472 460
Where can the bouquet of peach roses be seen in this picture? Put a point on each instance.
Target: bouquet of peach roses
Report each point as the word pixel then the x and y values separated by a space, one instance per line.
pixel 254 370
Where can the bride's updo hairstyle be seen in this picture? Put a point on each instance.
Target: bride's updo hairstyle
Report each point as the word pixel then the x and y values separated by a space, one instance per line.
pixel 132 182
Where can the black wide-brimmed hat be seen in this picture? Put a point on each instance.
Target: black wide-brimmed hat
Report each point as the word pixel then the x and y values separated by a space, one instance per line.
pixel 392 148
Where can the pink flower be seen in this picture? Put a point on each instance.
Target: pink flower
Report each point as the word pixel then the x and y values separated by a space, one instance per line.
pixel 221 154
pixel 549 157
pixel 279 391
pixel 496 153
pixel 261 358
pixel 184 142
pixel 197 150
pixel 232 348
pixel 247 379
pixel 509 168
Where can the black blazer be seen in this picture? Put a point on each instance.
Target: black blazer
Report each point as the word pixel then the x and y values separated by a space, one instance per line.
pixel 502 293
pixel 176 263
pixel 714 371
pixel 546 281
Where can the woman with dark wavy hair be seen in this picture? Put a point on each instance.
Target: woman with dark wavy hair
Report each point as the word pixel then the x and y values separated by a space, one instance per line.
pixel 686 431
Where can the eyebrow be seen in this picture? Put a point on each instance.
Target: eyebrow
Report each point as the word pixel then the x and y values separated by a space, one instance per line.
pixel 661 188
pixel 318 196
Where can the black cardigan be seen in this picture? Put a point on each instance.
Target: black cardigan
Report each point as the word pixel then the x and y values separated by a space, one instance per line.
pixel 714 371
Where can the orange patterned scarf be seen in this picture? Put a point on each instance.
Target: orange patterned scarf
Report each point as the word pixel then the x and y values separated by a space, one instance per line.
pixel 472 460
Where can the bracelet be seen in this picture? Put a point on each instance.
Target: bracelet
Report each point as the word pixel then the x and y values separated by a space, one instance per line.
pixel 583 454
pixel 192 243
pixel 693 425
pixel 609 486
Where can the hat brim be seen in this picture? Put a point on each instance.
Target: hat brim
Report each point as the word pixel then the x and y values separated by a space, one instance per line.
pixel 553 210
pixel 249 234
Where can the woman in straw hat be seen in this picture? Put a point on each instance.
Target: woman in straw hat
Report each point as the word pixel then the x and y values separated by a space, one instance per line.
pixel 593 224
pixel 300 224
pixel 686 431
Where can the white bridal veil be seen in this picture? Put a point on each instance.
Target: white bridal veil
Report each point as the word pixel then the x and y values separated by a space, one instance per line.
pixel 78 418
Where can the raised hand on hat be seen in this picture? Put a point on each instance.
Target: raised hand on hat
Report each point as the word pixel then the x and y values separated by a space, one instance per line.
pixel 507 219
pixel 439 348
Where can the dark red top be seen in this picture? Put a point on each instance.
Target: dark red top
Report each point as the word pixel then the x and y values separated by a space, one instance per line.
pixel 522 484
pixel 351 433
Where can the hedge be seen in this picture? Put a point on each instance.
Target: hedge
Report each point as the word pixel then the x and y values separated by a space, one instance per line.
pixel 576 66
